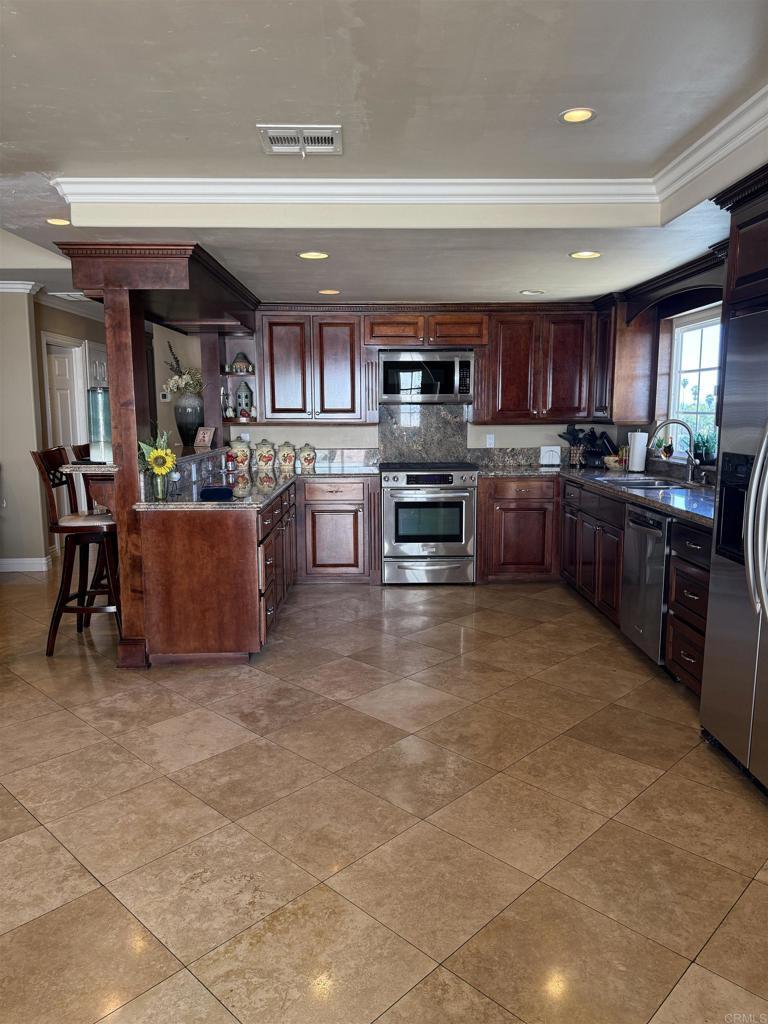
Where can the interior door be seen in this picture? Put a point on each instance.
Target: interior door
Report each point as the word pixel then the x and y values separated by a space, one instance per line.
pixel 566 354
pixel 512 370
pixel 66 402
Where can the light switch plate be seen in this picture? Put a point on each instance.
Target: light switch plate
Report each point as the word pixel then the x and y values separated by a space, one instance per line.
pixel 549 455
pixel 490 440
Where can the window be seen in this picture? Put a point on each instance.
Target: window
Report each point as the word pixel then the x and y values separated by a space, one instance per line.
pixel 695 380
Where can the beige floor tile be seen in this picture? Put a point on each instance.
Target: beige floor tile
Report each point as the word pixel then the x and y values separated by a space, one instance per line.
pixel 727 828
pixel 349 638
pixel 525 827
pixel 14 819
pixel 337 737
pixel 762 874
pixel 559 637
pixel 275 972
pixel 207 683
pixel 711 767
pixel 550 959
pixel 180 999
pixel 328 825
pixel 703 998
pixel 511 654
pixel 547 705
pixel 72 781
pixel 407 704
pixel 408 655
pixel 430 888
pixel 78 963
pixel 37 875
pixel 587 775
pixel 496 623
pixel 247 777
pixel 442 998
pixel 122 833
pixel 290 658
pixel 39 739
pixel 663 697
pixel 204 893
pixel 582 674
pixel 19 701
pixel 484 735
pixel 738 950
pixel 401 623
pixel 345 678
pixel 271 706
pixel 179 742
pixel 417 775
pixel 452 637
pixel 656 889
pixel 621 654
pixel 75 675
pixel 642 737
pixel 468 679
pixel 135 709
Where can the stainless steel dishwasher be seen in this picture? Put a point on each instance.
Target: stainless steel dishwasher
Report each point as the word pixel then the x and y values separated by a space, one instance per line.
pixel 644 579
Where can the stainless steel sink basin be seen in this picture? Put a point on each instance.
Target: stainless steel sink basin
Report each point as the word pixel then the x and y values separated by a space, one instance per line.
pixel 645 482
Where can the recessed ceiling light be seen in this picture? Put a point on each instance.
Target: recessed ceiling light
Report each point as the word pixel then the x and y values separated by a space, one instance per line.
pixel 577 115
pixel 329 291
pixel 57 222
pixel 585 254
pixel 311 255
pixel 532 291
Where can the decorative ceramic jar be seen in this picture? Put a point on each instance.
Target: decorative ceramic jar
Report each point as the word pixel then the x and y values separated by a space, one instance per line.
pixel 188 413
pixel 242 470
pixel 286 458
pixel 241 363
pixel 307 458
pixel 264 455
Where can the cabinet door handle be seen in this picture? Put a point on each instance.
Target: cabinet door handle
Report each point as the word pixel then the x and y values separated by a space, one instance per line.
pixel 266 522
pixel 692 546
pixel 270 611
pixel 688 658
pixel 690 596
pixel 522 490
pixel 269 561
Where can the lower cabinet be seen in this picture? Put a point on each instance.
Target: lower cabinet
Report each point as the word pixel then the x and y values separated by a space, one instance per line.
pixel 687 600
pixel 338 520
pixel 610 554
pixel 277 557
pixel 592 550
pixel 517 536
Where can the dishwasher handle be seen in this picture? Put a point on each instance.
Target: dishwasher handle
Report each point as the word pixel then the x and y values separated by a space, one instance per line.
pixel 646 524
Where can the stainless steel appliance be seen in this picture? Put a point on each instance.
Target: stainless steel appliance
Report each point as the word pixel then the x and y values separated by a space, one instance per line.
pixel 734 694
pixel 644 575
pixel 428 522
pixel 426 376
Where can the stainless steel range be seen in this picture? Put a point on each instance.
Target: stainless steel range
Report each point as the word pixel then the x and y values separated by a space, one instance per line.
pixel 428 522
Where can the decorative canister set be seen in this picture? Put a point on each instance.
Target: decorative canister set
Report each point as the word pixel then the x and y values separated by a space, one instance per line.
pixel 259 465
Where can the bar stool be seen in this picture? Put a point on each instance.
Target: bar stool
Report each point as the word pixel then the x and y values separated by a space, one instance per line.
pixel 80 530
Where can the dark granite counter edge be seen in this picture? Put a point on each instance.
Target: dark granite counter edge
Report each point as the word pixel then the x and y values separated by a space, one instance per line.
pixel 618 493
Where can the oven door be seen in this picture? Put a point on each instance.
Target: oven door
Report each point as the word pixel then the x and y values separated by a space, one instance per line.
pixel 428 522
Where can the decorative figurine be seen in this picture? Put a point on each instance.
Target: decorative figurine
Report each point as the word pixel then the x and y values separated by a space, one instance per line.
pixel 264 453
pixel 229 412
pixel 244 400
pixel 286 457
pixel 307 459
pixel 241 363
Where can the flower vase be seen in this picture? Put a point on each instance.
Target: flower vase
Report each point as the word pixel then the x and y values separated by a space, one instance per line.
pixel 188 412
pixel 159 487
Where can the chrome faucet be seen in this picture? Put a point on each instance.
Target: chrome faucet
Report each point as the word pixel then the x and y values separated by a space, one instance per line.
pixel 691 462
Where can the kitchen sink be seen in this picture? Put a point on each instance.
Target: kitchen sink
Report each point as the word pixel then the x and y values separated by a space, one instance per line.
pixel 645 482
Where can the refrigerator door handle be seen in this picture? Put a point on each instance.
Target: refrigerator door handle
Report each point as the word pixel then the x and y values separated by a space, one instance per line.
pixel 748 529
pixel 761 547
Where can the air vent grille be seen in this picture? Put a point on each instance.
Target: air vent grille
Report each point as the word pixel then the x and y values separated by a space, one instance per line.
pixel 301 140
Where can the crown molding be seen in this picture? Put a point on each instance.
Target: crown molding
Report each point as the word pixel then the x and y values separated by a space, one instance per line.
pixel 20 287
pixel 89 309
pixel 371 191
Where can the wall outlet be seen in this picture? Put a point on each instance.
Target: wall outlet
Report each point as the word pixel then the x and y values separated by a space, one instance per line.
pixel 549 455
pixel 165 396
pixel 490 440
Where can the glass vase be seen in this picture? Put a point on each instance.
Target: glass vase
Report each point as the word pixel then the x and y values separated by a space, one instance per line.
pixel 188 412
pixel 159 487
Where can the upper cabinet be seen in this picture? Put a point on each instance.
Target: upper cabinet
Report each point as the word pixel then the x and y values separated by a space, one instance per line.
pixel 311 368
pixel 625 365
pixel 410 330
pixel 538 369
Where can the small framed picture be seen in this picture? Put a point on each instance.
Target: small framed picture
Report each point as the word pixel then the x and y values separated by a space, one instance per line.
pixel 204 437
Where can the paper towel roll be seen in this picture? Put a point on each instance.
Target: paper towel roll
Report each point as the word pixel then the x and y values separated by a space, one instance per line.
pixel 638 443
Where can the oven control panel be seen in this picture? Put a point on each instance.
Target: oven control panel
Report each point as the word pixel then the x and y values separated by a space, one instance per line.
pixel 430 479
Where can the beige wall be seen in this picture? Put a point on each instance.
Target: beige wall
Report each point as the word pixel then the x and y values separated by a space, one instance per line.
pixel 23 533
pixel 187 348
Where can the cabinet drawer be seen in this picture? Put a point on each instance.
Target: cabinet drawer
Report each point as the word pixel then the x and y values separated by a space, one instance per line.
pixel 607 510
pixel 267 612
pixel 267 563
pixel 572 494
pixel 339 490
pixel 268 517
pixel 691 544
pixel 688 592
pixel 685 652
pixel 522 488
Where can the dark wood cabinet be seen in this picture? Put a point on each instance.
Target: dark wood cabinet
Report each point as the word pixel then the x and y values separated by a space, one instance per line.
pixel 462 330
pixel 335 528
pixel 569 542
pixel 336 368
pixel 586 577
pixel 517 535
pixel 564 374
pixel 602 364
pixel 395 330
pixel 511 367
pixel 624 365
pixel 687 602
pixel 286 348
pixel 747 280
pixel 610 554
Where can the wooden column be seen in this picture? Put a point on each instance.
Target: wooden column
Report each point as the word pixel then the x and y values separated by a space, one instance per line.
pixel 129 407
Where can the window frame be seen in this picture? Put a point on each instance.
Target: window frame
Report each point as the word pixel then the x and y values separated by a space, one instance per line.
pixel 700 318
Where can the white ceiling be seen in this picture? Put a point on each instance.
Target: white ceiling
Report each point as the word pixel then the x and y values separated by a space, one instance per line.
pixel 424 88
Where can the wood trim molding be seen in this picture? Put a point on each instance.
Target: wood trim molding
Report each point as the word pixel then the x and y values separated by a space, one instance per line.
pixel 754 186
pixel 19 287
pixel 382 308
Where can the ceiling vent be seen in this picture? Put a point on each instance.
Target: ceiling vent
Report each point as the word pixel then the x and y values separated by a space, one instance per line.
pixel 70 296
pixel 301 140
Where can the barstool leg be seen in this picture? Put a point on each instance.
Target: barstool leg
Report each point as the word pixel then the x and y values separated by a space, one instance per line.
pixel 98 580
pixel 82 584
pixel 113 582
pixel 64 591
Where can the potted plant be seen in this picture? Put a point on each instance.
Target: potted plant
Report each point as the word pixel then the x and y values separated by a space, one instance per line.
pixel 157 460
pixel 187 384
pixel 705 445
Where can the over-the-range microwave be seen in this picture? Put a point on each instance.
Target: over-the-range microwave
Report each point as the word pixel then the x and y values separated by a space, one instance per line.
pixel 426 376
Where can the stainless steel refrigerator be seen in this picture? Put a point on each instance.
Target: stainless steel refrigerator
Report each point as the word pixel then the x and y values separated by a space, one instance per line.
pixel 734 694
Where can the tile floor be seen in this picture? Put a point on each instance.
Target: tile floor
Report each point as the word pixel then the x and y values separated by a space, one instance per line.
pixel 418 806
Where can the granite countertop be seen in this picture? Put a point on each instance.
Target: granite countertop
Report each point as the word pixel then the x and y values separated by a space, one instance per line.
pixel 694 504
pixel 186 498
pixel 91 468
pixel 331 472
pixel 521 471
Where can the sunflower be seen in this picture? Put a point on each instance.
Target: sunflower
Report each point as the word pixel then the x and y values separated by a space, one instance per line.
pixel 161 461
